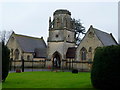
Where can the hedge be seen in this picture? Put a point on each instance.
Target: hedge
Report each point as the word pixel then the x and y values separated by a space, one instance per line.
pixel 105 71
pixel 5 61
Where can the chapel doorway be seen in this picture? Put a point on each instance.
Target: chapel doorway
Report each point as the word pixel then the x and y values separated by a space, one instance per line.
pixel 56 60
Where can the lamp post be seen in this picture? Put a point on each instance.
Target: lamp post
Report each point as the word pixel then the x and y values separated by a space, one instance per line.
pixel 22 63
pixel 82 65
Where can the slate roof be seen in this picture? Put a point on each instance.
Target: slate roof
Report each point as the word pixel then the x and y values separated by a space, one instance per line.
pixel 71 52
pixel 106 38
pixel 30 44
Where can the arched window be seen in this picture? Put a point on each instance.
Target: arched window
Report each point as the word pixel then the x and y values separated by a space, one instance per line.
pixel 91 34
pixel 11 51
pixel 16 54
pixel 90 49
pixel 58 22
pixel 90 54
pixel 28 58
pixel 65 22
pixel 83 53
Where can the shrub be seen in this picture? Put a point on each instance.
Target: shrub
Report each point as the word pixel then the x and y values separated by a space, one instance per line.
pixel 105 71
pixel 5 61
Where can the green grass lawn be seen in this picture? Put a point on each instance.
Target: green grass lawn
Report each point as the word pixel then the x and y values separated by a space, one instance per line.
pixel 48 80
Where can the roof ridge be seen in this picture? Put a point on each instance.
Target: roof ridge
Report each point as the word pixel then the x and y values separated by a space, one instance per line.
pixel 101 31
pixel 105 38
pixel 29 36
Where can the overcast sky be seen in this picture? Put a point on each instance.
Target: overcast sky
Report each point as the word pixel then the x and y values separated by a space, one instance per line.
pixel 31 18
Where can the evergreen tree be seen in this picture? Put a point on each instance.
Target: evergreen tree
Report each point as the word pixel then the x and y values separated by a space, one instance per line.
pixel 5 61
pixel 105 71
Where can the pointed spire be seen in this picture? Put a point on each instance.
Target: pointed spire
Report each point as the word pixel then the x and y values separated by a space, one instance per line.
pixel 12 32
pixel 50 24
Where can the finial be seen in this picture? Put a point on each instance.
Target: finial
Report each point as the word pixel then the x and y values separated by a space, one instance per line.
pixel 41 37
pixel 49 19
pixel 91 26
pixel 50 23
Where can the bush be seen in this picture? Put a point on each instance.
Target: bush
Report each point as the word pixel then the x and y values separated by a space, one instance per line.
pixel 105 71
pixel 5 61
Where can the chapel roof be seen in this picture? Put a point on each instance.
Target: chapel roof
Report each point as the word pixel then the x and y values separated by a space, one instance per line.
pixel 106 38
pixel 31 44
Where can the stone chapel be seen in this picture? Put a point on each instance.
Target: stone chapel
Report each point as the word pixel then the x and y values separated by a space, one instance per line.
pixel 61 51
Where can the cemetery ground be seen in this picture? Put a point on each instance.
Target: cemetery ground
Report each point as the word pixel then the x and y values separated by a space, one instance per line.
pixel 48 79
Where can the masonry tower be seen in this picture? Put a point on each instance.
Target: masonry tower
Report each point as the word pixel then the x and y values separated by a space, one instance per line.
pixel 61 37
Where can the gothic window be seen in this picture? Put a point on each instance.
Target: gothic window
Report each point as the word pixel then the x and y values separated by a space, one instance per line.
pixel 72 24
pixel 83 53
pixel 58 22
pixel 91 34
pixel 12 38
pixel 16 54
pixel 90 53
pixel 28 58
pixel 65 22
pixel 90 49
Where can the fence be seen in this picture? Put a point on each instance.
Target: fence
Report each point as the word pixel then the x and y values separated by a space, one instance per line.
pixel 20 64
pixel 41 64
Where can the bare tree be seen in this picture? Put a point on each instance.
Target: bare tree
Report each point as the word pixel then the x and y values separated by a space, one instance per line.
pixel 4 35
